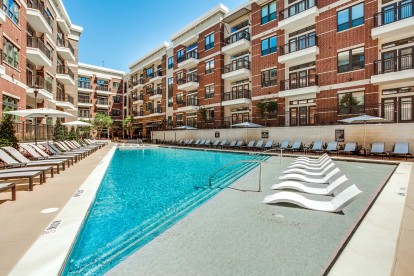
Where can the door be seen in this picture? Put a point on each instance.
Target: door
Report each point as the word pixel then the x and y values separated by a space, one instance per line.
pixel 303 78
pixel 389 63
pixel 389 110
pixel 406 58
pixel 406 109
pixel 233 93
pixel 405 9
pixel 293 81
pixel 303 115
pixel 389 14
pixel 293 113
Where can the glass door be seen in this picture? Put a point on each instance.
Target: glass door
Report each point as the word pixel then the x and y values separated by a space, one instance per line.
pixel 406 9
pixel 406 58
pixel 293 81
pixel 388 61
pixel 303 78
pixel 389 109
pixel 293 113
pixel 406 109
pixel 389 14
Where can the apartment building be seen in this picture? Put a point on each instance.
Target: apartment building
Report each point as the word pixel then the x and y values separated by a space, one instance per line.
pixel 38 67
pixel 292 63
pixel 101 90
pixel 147 90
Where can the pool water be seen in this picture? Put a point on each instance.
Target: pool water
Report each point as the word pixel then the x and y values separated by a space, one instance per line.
pixel 143 193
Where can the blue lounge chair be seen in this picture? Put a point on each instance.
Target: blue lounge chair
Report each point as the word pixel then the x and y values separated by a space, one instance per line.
pixel 400 149
pixel 316 147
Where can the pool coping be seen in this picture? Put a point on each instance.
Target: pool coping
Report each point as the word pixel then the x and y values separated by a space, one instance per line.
pixel 61 233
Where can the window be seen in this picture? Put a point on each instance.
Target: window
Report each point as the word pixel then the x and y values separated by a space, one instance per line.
pixel 149 106
pixel 170 62
pixel 209 41
pixel 351 60
pixel 83 113
pixel 269 45
pixel 149 72
pixel 9 104
pixel 268 12
pixel 180 78
pixel 209 66
pixel 350 17
pixel 12 9
pixel 180 55
pixel 351 103
pixel 117 99
pixel 115 85
pixel 269 78
pixel 209 92
pixel 179 119
pixel 84 82
pixel 116 112
pixel 10 53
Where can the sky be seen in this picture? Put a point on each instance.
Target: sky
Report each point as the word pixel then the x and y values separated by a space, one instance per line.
pixel 120 34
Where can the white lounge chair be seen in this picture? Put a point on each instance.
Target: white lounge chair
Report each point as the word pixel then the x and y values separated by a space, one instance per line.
pixel 311 161
pixel 303 178
pixel 323 156
pixel 320 172
pixel 303 187
pixel 337 203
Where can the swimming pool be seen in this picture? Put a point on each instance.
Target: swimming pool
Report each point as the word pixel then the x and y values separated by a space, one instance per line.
pixel 143 193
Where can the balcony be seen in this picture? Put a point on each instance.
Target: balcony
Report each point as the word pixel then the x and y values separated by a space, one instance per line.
pixel 137 83
pixel 299 15
pixel 85 86
pixel 189 83
pixel 156 76
pixel 237 69
pixel 191 105
pixel 65 101
pixel 395 23
pixel 37 52
pixel 300 50
pixel 43 87
pixel 157 94
pixel 237 42
pixel 3 15
pixel 393 70
pixel 37 17
pixel 149 91
pixel 102 103
pixel 65 75
pixel 138 99
pixel 63 25
pixel 188 60
pixel 156 111
pixel 237 97
pixel 138 114
pixel 300 86
pixel 65 49
pixel 84 101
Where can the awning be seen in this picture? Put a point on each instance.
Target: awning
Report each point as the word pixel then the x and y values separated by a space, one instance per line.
pixel 236 14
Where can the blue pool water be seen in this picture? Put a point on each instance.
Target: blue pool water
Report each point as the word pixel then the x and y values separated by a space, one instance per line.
pixel 143 193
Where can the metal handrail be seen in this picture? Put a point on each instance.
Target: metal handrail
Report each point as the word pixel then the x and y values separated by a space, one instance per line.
pixel 280 156
pixel 241 161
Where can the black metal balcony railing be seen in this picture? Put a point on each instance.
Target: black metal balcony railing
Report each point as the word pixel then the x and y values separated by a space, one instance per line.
pixel 189 78
pixel 102 87
pixel 300 82
pixel 157 74
pixel 237 94
pixel 35 42
pixel 191 54
pixel 60 69
pixel 85 85
pixel 238 64
pixel 136 82
pixel 158 91
pixel 244 34
pixel 297 8
pixel 299 44
pixel 150 75
pixel 267 83
pixel 101 101
pixel 156 110
pixel 192 102
pixel 63 97
pixel 138 113
pixel 149 91
pixel 394 14
pixel 65 43
pixel 82 99
pixel 395 64
pixel 38 5
pixel 38 82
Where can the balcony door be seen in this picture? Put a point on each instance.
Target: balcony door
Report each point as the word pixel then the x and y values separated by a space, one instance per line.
pixel 237 118
pixel 238 91
pixel 302 115
pixel 406 58
pixel 389 63
pixel 389 14
pixel 389 109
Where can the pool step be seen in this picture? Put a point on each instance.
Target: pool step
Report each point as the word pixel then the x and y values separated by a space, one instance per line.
pixel 157 224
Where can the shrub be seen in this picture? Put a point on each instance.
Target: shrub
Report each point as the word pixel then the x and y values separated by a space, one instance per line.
pixel 59 131
pixel 7 133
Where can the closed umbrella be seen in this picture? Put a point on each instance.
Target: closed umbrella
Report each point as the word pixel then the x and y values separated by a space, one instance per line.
pixel 40 113
pixel 77 124
pixel 363 119
pixel 246 125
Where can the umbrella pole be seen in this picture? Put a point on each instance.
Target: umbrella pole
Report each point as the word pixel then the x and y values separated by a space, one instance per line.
pixel 365 129
pixel 47 132
pixel 35 131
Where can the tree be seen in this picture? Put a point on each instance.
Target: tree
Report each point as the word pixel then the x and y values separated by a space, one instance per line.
pixel 128 125
pixel 102 121
pixel 84 131
pixel 59 131
pixel 203 114
pixel 266 108
pixel 72 134
pixel 7 133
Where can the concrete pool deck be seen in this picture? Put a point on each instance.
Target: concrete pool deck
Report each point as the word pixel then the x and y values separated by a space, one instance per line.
pixel 26 215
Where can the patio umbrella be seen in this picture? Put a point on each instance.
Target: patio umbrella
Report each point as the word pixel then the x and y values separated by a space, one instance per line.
pixel 363 119
pixel 246 125
pixel 77 124
pixel 40 113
